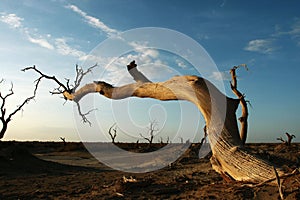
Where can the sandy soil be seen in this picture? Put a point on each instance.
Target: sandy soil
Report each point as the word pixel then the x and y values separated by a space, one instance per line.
pixel 37 170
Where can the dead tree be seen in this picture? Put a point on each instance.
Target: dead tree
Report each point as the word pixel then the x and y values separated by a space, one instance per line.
pixel 168 140
pixel 151 129
pixel 161 141
pixel 181 140
pixel 229 156
pixel 114 134
pixel 289 139
pixel 205 136
pixel 5 118
pixel 244 118
pixel 64 140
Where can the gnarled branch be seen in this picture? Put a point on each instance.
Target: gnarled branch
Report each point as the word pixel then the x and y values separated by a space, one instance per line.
pixel 113 135
pixel 244 118
pixel 66 88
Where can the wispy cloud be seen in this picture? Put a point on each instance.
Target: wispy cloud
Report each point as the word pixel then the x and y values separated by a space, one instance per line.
pixel 63 48
pixel 264 46
pixel 58 44
pixel 15 22
pixel 180 64
pixel 12 20
pixel 93 21
pixel 293 32
pixel 220 76
pixel 41 42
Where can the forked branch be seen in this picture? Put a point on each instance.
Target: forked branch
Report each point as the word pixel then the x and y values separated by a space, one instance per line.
pixel 6 119
pixel 66 88
pixel 288 142
pixel 114 134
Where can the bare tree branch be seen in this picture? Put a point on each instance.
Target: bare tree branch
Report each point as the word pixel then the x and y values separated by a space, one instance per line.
pixel 83 115
pixel 151 129
pixel 5 120
pixel 113 135
pixel 137 75
pixel 244 118
pixel 42 75
pixel 80 74
pixel 282 140
pixel 290 138
pixel 279 184
pixel 64 140
pixel 66 88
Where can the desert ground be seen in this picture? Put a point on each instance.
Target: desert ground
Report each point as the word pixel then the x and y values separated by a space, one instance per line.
pixel 54 170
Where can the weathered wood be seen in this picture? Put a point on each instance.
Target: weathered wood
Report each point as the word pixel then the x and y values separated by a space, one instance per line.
pixel 244 118
pixel 219 112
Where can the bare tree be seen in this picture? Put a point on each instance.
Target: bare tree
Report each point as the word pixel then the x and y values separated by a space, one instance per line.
pixel 114 134
pixel 205 135
pixel 151 129
pixel 229 156
pixel 5 118
pixel 161 140
pixel 289 139
pixel 168 140
pixel 64 140
pixel 181 139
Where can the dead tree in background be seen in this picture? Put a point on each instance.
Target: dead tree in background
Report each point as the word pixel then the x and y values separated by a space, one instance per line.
pixel 204 136
pixel 114 134
pixel 151 129
pixel 289 139
pixel 4 117
pixel 64 140
pixel 161 140
pixel 181 140
pixel 229 156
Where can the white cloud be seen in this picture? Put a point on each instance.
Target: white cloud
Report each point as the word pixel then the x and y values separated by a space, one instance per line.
pixel 63 48
pixel 220 76
pixel 12 20
pixel 94 21
pixel 180 64
pixel 16 22
pixel 294 31
pixel 41 42
pixel 32 35
pixel 264 46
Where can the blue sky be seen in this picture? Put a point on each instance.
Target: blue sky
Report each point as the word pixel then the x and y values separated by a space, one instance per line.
pixel 56 35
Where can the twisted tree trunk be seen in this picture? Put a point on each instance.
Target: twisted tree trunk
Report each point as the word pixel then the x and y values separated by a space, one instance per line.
pixel 219 111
